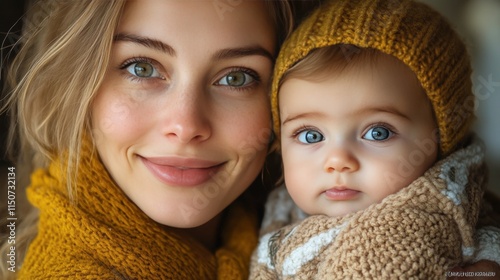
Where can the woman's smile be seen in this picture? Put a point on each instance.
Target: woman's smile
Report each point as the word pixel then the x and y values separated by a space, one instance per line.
pixel 182 172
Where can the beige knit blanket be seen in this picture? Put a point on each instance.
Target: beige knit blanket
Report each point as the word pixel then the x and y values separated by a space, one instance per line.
pixel 420 232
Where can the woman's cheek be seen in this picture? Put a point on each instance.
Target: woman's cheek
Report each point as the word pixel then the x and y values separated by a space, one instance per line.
pixel 117 117
pixel 250 128
pixel 256 143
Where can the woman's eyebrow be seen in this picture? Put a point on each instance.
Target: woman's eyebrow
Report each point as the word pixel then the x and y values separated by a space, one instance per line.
pixel 145 41
pixel 241 52
pixel 219 55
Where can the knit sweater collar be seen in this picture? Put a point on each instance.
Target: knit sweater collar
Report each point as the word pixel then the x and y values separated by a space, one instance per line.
pixel 106 227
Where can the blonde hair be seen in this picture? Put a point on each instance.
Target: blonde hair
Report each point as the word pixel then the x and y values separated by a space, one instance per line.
pixel 53 80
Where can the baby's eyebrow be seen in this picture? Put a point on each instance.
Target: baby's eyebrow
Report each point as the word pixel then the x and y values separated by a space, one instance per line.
pixel 145 41
pixel 385 109
pixel 303 115
pixel 363 111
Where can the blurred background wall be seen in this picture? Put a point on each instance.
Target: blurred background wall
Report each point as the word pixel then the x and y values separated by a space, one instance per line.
pixel 10 30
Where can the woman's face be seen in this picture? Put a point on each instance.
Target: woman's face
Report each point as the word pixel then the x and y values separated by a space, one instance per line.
pixel 182 121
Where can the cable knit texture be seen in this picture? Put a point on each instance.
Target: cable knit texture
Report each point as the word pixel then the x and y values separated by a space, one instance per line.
pixel 410 31
pixel 106 236
pixel 420 232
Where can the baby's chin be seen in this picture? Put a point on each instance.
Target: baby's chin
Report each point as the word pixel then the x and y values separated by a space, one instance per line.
pixel 342 211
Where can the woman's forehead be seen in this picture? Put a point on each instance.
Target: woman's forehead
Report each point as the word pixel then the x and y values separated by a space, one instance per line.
pixel 200 22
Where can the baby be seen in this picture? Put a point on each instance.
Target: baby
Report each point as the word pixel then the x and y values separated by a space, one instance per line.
pixel 373 117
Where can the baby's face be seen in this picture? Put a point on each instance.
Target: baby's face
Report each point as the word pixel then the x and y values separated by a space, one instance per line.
pixel 351 140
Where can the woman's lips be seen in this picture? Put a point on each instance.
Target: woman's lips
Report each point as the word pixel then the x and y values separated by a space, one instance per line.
pixel 184 172
pixel 341 193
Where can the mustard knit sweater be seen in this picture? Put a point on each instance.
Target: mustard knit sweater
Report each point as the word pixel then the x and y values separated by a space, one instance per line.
pixel 106 236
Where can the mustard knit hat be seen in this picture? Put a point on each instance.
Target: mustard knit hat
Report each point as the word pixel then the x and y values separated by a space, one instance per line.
pixel 407 30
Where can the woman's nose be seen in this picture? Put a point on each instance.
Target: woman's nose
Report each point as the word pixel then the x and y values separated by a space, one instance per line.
pixel 187 118
pixel 341 159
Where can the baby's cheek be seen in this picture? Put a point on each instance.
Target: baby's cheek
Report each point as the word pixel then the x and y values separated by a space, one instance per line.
pixel 400 171
pixel 391 175
pixel 296 175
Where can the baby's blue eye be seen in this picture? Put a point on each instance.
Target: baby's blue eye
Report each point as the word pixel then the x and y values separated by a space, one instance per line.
pixel 378 133
pixel 310 136
pixel 143 70
pixel 236 79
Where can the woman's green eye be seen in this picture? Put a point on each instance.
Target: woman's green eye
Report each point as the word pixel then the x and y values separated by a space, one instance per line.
pixel 236 79
pixel 143 70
